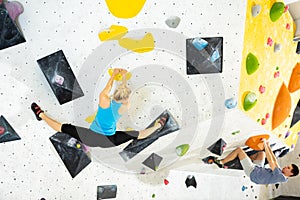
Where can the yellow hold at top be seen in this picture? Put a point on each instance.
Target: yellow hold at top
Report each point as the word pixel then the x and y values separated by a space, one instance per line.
pixel 125 8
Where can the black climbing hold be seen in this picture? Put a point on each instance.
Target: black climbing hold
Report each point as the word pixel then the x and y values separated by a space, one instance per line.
pixel 153 161
pixel 207 60
pixel 218 147
pixel 190 181
pixel 10 33
pixel 7 132
pixel 74 158
pixel 106 192
pixel 136 146
pixel 60 77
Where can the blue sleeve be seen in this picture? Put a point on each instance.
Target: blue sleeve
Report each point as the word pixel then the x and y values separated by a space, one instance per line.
pixel 280 176
pixel 277 171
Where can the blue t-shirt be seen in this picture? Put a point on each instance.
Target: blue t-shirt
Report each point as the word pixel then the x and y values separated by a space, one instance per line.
pixel 106 119
pixel 261 175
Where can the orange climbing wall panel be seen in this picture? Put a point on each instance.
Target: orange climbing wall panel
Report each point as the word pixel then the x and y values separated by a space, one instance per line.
pixel 275 68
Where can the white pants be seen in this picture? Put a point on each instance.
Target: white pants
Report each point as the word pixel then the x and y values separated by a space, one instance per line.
pixel 248 165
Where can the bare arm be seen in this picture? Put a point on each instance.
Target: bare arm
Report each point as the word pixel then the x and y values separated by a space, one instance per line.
pixel 104 95
pixel 270 156
pixel 123 72
pixel 109 84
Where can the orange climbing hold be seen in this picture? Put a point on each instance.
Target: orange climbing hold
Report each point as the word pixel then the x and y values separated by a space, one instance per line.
pixel 282 106
pixel 294 84
pixel 255 142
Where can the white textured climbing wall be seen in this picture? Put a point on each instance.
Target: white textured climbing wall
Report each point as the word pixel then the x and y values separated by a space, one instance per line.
pixel 31 169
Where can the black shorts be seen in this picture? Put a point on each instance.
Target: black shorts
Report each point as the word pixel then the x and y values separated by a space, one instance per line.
pixel 94 139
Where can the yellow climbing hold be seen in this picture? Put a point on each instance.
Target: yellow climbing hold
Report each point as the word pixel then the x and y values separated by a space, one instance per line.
pixel 118 77
pixel 293 138
pixel 91 118
pixel 140 46
pixel 114 32
pixel 125 8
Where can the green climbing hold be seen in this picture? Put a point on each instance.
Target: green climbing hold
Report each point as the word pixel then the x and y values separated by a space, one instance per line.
pixel 235 132
pixel 182 149
pixel 276 11
pixel 249 101
pixel 153 195
pixel 277 68
pixel 251 64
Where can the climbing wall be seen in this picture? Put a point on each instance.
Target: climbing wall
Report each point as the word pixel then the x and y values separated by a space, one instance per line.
pixel 268 89
pixel 31 167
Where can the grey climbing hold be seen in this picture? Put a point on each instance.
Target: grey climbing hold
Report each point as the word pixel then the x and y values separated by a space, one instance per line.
pixel 173 21
pixel 106 192
pixel 153 161
pixel 277 47
pixel 256 10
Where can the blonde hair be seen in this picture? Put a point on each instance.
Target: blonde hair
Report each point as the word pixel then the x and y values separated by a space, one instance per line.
pixel 122 92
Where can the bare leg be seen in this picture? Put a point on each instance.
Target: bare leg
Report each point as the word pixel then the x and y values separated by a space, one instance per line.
pixel 145 133
pixel 258 156
pixel 158 124
pixel 51 122
pixel 238 152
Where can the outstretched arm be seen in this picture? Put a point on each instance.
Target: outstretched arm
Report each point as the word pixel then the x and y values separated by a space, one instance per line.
pixel 123 72
pixel 107 89
pixel 270 156
pixel 104 100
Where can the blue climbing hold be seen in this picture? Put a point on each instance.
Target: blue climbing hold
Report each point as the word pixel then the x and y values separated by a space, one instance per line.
pixel 244 188
pixel 215 55
pixel 199 43
pixel 230 103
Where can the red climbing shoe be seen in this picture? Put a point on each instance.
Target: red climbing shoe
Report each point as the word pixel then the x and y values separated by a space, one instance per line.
pixel 162 120
pixel 36 110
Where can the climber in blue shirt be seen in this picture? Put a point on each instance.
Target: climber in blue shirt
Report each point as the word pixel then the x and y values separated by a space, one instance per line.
pixel 103 130
pixel 254 166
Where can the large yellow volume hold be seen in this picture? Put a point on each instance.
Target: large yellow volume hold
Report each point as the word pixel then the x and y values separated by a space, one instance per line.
pixel 143 45
pixel 114 32
pixel 125 8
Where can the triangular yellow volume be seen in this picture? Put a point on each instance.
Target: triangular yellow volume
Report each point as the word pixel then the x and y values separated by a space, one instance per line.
pixel 91 118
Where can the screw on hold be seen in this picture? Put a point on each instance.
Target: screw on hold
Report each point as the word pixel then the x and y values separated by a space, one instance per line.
pixel 244 188
pixel 166 182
